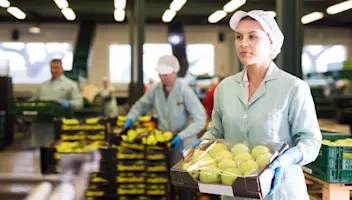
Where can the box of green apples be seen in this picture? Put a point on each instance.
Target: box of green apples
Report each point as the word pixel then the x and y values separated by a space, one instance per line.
pixel 221 168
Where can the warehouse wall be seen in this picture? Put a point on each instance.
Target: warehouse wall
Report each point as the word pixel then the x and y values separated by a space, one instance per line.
pixel 114 34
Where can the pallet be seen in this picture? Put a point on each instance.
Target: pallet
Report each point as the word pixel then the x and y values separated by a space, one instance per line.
pixel 321 190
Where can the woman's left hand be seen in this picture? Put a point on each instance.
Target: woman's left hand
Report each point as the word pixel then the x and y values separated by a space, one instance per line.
pixel 282 164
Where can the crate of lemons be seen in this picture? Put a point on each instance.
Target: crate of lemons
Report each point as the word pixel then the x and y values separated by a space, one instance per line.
pixel 338 142
pixel 79 146
pixel 223 163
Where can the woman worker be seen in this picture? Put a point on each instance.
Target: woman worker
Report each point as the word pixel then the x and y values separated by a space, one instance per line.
pixel 263 103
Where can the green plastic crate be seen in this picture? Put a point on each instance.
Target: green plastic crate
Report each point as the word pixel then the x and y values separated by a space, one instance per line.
pixel 40 108
pixel 330 165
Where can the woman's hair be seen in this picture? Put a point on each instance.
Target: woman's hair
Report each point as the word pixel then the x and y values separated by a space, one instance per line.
pixel 247 18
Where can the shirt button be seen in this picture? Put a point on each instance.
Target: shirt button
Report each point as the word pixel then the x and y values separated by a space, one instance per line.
pixel 244 116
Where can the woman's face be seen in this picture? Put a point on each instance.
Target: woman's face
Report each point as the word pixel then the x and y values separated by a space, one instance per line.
pixel 252 42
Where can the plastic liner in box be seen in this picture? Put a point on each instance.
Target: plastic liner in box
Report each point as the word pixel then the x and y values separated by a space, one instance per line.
pixel 253 186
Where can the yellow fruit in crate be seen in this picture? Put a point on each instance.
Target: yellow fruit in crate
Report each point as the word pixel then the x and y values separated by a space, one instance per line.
pixel 263 159
pixel 242 157
pixel 239 148
pixel 216 148
pixel 333 144
pixel 70 121
pixel 341 142
pixel 159 138
pixel 222 155
pixel 124 138
pixel 348 139
pixel 229 175
pixel 122 118
pixel 326 142
pixel 257 150
pixel 199 154
pixel 227 163
pixel 92 120
pixel 248 167
pixel 168 136
pixel 209 175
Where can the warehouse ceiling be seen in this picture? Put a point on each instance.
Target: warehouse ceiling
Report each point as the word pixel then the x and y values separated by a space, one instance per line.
pixel 194 12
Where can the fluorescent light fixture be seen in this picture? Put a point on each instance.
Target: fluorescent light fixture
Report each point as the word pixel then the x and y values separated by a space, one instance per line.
pixel 176 5
pixel 312 17
pixel 4 3
pixel 61 3
pixel 16 12
pixel 68 14
pixel 120 4
pixel 119 15
pixel 34 29
pixel 168 15
pixel 233 5
pixel 340 7
pixel 216 16
pixel 272 13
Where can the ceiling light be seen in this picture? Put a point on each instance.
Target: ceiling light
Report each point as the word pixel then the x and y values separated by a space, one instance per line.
pixel 120 4
pixel 4 3
pixel 34 29
pixel 233 5
pixel 168 15
pixel 176 5
pixel 119 15
pixel 216 16
pixel 272 13
pixel 175 39
pixel 16 12
pixel 68 14
pixel 61 3
pixel 312 17
pixel 340 7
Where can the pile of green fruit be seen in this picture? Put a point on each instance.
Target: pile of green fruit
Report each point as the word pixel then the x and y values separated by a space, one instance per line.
pixel 147 136
pixel 340 142
pixel 222 164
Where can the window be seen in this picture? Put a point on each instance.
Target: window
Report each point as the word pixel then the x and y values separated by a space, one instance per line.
pixel 322 58
pixel 200 58
pixel 29 62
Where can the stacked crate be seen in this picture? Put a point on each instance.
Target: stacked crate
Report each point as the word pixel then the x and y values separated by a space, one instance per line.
pixel 142 169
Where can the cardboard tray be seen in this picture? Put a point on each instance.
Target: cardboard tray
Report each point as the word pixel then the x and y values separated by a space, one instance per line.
pixel 250 186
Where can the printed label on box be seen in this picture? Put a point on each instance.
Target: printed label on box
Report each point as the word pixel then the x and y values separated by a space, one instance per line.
pixel 216 189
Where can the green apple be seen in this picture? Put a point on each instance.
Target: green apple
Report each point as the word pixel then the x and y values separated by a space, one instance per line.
pixel 244 156
pixel 256 151
pixel 199 154
pixel 263 159
pixel 205 162
pixel 194 173
pixel 229 175
pixel 248 166
pixel 239 148
pixel 217 147
pixel 209 175
pixel 222 155
pixel 227 163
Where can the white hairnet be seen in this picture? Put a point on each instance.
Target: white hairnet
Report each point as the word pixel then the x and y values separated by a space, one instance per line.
pixel 167 64
pixel 269 25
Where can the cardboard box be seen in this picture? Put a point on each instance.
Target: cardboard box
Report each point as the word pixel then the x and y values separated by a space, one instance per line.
pixel 249 186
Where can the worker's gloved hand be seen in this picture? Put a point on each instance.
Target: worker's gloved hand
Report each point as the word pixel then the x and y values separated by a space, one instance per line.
pixel 176 142
pixel 282 164
pixel 128 123
pixel 66 104
pixel 194 145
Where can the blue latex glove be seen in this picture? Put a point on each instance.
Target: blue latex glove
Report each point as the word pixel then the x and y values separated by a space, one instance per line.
pixel 282 164
pixel 194 145
pixel 176 142
pixel 66 104
pixel 128 123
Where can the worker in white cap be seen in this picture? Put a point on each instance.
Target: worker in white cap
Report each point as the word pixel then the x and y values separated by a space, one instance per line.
pixel 264 104
pixel 174 103
pixel 108 100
